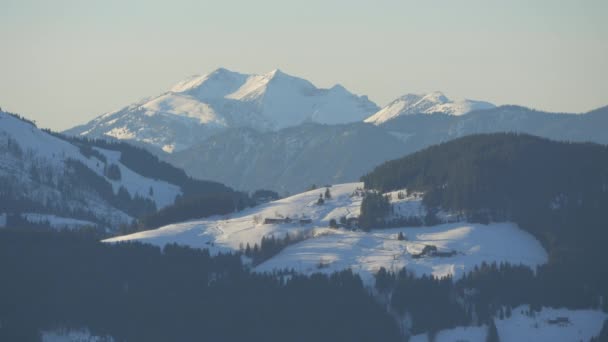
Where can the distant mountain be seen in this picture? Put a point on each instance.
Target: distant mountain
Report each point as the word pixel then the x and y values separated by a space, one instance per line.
pixel 71 182
pixel 291 159
pixel 200 106
pixel 426 130
pixel 435 102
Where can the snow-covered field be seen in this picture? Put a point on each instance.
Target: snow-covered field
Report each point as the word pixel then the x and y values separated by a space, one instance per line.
pixel 328 250
pixel 227 233
pixel 365 253
pixel 581 325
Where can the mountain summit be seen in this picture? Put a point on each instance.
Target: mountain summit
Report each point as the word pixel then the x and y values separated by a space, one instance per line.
pixel 200 106
pixel 435 102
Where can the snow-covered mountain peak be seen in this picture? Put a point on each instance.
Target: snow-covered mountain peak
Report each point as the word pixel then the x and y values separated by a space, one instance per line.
pixel 275 82
pixel 435 97
pixel 434 102
pixel 216 84
pixel 199 106
pixel 276 73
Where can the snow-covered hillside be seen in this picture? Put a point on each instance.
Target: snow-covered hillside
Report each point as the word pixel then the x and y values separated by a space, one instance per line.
pixel 38 170
pixel 466 245
pixel 200 106
pixel 460 246
pixel 548 325
pixel 435 102
pixel 228 233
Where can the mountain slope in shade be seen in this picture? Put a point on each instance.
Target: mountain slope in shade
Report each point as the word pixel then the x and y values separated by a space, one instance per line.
pixel 40 173
pixel 293 158
pixel 201 106
pixel 71 182
pixel 435 102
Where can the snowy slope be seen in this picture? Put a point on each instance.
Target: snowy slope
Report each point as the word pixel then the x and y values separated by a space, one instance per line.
pixel 225 234
pixel 435 102
pixel 365 253
pixel 520 327
pixel 34 162
pixel 201 106
pixel 338 249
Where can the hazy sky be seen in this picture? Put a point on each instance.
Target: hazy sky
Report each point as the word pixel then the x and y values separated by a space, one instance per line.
pixel 63 62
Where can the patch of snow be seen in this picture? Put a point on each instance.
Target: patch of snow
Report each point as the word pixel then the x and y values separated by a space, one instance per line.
pixel 161 192
pixel 458 334
pixel 81 335
pixel 581 325
pixel 185 106
pixel 120 133
pixel 409 205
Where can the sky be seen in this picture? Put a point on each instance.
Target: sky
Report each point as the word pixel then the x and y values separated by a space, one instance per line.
pixel 63 62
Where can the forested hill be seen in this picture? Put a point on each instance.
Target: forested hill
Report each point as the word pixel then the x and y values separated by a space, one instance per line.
pixel 52 180
pixel 558 191
pixel 494 171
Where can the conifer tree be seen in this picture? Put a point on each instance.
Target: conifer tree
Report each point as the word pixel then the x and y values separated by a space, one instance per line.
pixel 492 332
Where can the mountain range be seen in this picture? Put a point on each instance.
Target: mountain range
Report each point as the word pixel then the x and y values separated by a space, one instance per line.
pixel 292 159
pixel 200 106
pixel 261 131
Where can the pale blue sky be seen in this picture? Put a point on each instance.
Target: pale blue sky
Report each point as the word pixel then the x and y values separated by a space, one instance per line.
pixel 62 62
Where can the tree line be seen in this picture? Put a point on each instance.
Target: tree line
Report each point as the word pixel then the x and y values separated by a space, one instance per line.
pixel 137 292
pixel 489 291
